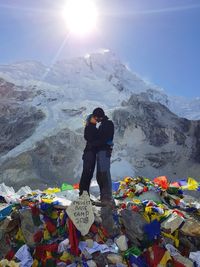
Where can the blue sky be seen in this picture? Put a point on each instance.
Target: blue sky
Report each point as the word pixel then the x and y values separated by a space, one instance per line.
pixel 159 39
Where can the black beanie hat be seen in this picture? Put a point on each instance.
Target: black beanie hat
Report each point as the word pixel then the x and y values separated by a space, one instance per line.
pixel 98 112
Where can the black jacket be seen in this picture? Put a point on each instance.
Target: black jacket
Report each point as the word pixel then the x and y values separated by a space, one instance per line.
pixel 90 135
pixel 105 135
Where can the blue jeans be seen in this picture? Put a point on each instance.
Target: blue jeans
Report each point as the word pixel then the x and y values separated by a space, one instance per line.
pixel 103 174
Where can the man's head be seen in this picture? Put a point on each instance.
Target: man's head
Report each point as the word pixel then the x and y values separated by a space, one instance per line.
pixel 98 114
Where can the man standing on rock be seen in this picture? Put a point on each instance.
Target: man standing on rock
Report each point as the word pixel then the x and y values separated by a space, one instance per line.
pixel 104 145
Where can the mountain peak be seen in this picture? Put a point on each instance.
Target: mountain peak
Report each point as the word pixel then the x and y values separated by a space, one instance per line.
pixel 97 76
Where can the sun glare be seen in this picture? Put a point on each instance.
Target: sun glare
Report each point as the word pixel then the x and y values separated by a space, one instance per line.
pixel 80 16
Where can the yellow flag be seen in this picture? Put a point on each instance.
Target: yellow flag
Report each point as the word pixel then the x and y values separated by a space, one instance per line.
pixel 191 185
pixel 166 257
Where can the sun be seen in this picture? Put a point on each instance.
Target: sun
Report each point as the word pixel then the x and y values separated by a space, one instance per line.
pixel 80 16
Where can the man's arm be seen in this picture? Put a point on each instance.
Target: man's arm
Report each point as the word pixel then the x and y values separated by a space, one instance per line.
pixel 107 134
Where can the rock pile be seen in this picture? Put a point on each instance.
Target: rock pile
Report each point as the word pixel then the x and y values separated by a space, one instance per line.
pixel 150 223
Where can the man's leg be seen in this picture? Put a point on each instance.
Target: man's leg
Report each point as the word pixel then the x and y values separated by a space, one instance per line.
pixel 107 202
pixel 103 175
pixel 89 160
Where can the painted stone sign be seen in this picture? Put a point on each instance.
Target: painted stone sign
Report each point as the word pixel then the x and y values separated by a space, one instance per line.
pixel 81 213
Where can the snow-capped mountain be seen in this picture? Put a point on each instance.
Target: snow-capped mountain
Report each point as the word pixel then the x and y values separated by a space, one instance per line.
pixel 74 86
pixel 94 77
pixel 186 108
pixel 44 108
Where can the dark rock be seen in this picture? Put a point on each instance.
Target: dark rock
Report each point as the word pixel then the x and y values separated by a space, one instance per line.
pixel 134 223
pixel 158 160
pixel 74 112
pixel 108 221
pixel 157 139
pixel 180 138
pixel 17 123
pixel 49 163
pixel 100 259
pixel 196 155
